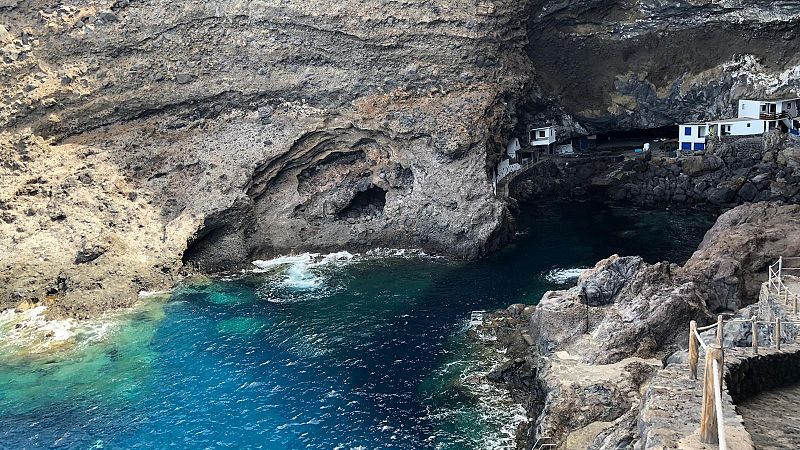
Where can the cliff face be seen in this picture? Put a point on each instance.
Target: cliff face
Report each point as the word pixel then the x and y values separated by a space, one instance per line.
pixel 625 64
pixel 140 136
pixel 212 133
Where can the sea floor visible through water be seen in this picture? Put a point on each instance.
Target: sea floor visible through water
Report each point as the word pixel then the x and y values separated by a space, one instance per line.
pixel 336 352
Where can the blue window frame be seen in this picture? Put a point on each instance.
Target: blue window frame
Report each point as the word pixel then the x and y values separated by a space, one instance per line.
pixel 686 145
pixel 699 146
pixel 688 131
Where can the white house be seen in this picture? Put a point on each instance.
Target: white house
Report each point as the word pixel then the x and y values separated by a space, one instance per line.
pixel 692 137
pixel 754 117
pixel 513 147
pixel 769 109
pixel 543 136
pixel 743 126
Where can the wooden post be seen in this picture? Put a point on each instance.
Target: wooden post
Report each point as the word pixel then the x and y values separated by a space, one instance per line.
pixel 778 333
pixel 720 332
pixel 708 416
pixel 693 356
pixel 755 336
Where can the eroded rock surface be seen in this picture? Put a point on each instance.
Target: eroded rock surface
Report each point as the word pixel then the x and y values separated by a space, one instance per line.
pixel 210 134
pixel 623 64
pixel 595 347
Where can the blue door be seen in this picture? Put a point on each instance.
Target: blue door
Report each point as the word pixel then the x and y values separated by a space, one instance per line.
pixel 686 145
pixel 698 146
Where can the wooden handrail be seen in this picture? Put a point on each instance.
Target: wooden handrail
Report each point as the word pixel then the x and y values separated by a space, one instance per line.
pixel 712 425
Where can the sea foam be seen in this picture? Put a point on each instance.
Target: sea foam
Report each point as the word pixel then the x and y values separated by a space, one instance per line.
pixel 564 276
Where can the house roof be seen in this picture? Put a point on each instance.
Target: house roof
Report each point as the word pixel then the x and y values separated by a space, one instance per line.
pixel 735 119
pixel 772 100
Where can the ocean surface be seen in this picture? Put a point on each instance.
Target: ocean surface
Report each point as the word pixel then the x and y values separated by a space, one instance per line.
pixel 313 351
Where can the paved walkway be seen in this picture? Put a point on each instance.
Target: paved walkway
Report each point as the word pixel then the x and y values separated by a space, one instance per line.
pixel 773 418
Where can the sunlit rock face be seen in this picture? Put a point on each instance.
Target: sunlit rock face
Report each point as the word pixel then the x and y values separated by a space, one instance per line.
pixel 212 133
pixel 604 65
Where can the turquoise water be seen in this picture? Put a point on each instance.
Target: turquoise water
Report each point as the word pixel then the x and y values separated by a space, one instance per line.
pixel 368 352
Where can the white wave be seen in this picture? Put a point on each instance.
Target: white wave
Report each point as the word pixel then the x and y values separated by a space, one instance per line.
pixel 563 276
pixel 148 294
pixel 383 252
pixel 300 270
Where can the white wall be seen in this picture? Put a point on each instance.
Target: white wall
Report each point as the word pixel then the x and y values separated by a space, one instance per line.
pixel 746 128
pixel 512 147
pixel 697 136
pixel 749 108
pixel 549 136
pixel 504 168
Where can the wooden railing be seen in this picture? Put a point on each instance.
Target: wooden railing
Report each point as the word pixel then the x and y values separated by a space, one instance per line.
pixel 712 424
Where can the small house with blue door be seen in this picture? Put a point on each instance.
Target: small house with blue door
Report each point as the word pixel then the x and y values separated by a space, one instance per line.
pixel 692 137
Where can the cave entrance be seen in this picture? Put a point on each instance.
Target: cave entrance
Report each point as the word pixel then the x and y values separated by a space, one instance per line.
pixel 369 202
pixel 662 139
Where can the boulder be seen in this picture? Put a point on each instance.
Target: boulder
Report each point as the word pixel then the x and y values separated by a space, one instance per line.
pixel 698 165
pixel 748 192
pixel 721 195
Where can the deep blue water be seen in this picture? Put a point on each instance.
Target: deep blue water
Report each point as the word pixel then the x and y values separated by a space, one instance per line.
pixel 364 353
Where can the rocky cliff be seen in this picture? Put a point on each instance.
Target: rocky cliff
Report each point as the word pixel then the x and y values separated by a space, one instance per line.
pixel 142 137
pixel 581 358
pixel 621 64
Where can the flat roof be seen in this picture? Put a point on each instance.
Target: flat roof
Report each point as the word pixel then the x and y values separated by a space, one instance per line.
pixel 773 100
pixel 736 119
pixel 692 124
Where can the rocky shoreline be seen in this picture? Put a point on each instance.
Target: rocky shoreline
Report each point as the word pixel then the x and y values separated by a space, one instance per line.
pixel 733 171
pixel 581 359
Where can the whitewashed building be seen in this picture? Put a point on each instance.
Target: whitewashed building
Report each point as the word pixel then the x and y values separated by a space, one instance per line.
pixel 754 117
pixel 692 137
pixel 513 147
pixel 741 126
pixel 542 138
pixel 769 109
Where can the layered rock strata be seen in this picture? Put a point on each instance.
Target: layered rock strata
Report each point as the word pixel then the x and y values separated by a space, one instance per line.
pixel 140 138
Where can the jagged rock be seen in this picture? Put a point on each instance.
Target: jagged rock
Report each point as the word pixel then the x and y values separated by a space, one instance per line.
pixel 89 254
pixel 601 284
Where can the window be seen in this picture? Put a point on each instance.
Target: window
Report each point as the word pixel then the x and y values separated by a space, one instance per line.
pixel 763 108
pixel 699 146
pixel 542 134
pixel 748 124
pixel 701 131
pixel 686 145
pixel 688 131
